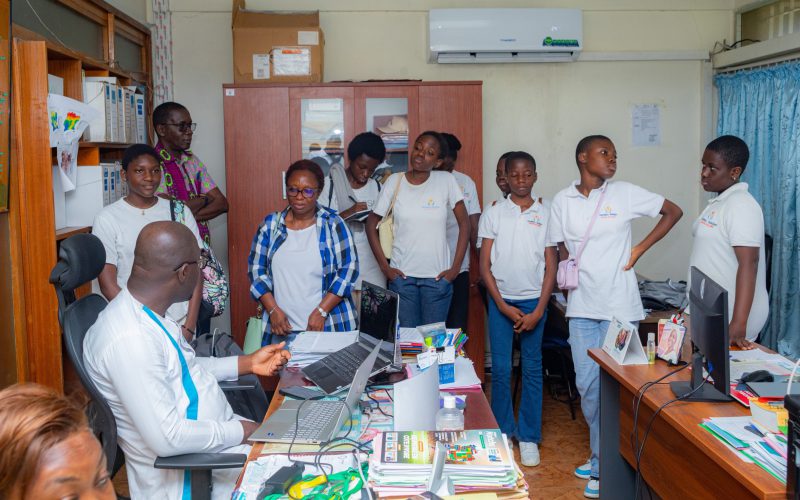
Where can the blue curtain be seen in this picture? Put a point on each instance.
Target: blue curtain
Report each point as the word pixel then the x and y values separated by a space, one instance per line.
pixel 762 106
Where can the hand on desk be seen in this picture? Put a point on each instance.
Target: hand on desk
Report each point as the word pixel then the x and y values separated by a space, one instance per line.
pixel 265 361
pixel 737 334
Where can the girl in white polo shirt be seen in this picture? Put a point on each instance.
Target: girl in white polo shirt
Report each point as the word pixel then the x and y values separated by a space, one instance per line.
pixel 729 239
pixel 607 285
pixel 519 270
pixel 422 269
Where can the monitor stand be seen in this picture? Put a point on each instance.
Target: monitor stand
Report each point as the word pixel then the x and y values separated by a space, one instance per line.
pixel 705 393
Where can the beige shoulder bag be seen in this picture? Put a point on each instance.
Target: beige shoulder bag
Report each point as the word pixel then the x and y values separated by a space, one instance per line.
pixel 386 225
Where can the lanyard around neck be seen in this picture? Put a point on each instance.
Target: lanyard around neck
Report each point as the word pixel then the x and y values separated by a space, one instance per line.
pixel 186 379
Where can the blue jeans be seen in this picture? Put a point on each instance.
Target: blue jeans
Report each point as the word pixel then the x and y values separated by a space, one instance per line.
pixel 422 300
pixel 501 335
pixel 585 334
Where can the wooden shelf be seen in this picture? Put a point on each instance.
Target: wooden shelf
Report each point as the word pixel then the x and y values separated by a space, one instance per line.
pixel 66 232
pixel 104 145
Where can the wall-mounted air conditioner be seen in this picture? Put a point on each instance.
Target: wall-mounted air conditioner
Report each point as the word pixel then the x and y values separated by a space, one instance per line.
pixel 504 35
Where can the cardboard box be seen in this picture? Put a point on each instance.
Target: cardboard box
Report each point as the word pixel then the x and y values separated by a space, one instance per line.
pixel 276 47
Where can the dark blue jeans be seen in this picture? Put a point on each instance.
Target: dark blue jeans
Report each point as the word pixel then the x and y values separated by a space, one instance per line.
pixel 501 336
pixel 422 300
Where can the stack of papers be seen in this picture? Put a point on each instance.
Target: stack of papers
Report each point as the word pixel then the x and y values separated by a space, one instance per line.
pixel 465 376
pixel 477 461
pixel 751 442
pixel 412 341
pixel 309 347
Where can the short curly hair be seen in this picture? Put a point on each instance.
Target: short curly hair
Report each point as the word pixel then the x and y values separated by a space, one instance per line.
pixel 307 166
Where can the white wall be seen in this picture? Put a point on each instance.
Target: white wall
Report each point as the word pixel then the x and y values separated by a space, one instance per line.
pixel 541 108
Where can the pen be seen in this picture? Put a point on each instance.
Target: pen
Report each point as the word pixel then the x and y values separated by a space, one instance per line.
pixel 352 199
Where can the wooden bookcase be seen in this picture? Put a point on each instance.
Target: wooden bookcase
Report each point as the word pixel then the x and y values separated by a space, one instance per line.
pixel 264 135
pixel 33 237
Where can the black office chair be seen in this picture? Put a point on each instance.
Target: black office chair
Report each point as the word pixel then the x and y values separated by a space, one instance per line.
pixel 81 258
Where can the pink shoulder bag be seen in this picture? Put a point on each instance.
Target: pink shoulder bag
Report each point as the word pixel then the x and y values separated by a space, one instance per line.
pixel 567 275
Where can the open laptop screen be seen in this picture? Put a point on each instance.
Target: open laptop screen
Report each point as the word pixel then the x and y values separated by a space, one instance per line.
pixel 378 314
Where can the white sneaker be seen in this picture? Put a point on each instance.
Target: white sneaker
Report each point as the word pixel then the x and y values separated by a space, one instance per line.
pixel 529 454
pixel 584 471
pixel 592 489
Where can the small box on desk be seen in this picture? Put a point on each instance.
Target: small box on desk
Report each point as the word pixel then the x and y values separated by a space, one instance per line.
pixel 446 356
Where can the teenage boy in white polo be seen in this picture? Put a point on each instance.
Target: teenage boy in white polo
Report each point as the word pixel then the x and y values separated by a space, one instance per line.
pixel 729 239
pixel 607 286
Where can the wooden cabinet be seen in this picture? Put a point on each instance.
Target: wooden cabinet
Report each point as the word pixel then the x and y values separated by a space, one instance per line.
pixel 33 239
pixel 267 127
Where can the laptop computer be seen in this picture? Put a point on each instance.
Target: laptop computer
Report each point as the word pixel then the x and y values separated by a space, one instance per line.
pixel 319 421
pixel 378 318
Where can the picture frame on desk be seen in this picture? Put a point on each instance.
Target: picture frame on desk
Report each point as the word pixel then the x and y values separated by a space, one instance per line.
pixel 619 345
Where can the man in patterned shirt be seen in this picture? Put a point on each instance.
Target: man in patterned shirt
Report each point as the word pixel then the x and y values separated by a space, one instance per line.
pixel 185 178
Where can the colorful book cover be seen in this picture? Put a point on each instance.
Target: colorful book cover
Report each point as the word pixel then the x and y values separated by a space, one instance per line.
pixel 471 447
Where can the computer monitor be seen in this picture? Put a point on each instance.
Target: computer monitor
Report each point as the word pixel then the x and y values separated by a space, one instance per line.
pixel 708 323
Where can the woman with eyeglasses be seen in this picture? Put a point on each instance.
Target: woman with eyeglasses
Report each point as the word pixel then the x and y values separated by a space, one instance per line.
pixel 303 263
pixel 118 226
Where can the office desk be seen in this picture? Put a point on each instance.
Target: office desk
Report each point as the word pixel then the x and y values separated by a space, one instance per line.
pixel 647 325
pixel 680 459
pixel 477 414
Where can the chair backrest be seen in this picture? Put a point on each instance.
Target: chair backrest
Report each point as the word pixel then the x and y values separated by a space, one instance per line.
pixel 78 317
pixel 81 259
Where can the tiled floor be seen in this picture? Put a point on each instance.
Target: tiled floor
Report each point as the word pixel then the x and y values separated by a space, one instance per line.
pixel 565 445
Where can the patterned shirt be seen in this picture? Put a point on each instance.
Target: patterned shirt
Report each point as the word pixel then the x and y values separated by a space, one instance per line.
pixel 197 174
pixel 339 263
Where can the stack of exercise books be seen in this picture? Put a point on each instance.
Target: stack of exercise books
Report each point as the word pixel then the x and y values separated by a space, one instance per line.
pixel 478 461
pixel 412 341
pixel 752 442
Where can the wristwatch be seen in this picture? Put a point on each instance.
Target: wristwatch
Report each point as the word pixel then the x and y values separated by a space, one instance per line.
pixel 322 312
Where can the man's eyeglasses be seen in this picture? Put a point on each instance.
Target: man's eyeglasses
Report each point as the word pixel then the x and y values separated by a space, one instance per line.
pixel 201 262
pixel 307 192
pixel 184 126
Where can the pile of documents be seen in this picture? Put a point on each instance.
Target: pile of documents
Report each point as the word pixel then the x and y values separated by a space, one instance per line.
pixel 309 347
pixel 412 341
pixel 477 461
pixel 465 376
pixel 752 442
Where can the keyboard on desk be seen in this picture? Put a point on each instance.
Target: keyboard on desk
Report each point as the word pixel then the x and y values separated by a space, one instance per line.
pixel 346 361
pixel 314 418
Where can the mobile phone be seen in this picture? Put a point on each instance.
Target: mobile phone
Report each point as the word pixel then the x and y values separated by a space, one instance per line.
pixel 300 392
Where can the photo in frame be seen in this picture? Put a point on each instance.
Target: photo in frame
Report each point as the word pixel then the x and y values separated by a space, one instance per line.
pixel 622 343
pixel 670 341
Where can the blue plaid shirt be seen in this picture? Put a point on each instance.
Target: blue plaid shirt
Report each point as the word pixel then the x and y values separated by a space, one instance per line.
pixel 339 263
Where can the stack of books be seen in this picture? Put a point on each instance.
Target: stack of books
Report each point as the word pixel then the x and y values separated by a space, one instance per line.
pixel 753 442
pixel 477 461
pixel 121 108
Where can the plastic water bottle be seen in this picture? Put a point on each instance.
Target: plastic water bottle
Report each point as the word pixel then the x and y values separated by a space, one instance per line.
pixel 449 418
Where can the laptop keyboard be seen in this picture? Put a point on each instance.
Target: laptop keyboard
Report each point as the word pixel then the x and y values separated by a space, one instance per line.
pixel 344 361
pixel 313 419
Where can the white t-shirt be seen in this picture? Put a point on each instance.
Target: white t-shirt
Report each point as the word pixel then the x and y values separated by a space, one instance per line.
pixel 297 274
pixel 118 226
pixel 473 206
pixel 368 268
pixel 420 247
pixel 732 219
pixel 136 368
pixel 517 254
pixel 604 289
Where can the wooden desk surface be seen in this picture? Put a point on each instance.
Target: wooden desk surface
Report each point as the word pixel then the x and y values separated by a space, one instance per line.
pixel 477 415
pixel 680 458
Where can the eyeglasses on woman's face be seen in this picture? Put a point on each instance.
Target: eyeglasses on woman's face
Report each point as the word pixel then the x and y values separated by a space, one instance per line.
pixel 307 192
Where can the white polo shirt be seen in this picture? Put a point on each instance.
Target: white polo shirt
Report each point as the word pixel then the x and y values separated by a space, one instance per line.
pixel 420 247
pixel 604 289
pixel 473 205
pixel 732 219
pixel 517 254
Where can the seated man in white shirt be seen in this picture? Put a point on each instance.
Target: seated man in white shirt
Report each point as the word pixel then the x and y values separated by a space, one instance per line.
pixel 165 400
